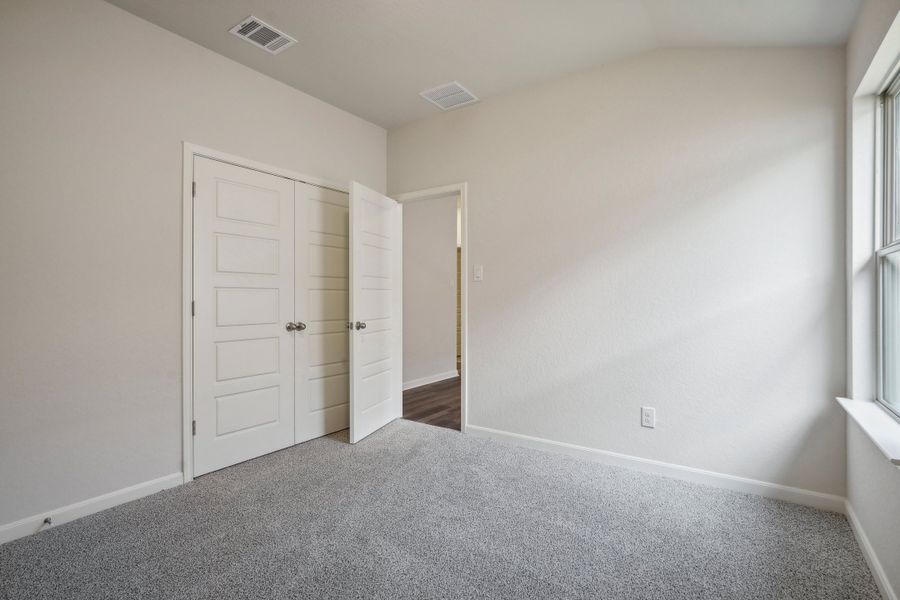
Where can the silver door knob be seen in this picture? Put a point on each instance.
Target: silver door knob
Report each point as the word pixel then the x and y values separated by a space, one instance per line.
pixel 360 325
pixel 298 326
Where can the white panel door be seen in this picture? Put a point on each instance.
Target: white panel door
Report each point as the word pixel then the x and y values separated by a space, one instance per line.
pixel 322 304
pixel 244 297
pixel 376 309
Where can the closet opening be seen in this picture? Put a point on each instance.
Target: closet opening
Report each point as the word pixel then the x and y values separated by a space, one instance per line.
pixel 292 310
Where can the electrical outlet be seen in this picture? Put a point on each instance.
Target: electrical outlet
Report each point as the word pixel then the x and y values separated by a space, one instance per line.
pixel 648 417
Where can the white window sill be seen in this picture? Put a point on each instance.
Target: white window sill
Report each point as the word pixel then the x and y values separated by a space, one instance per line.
pixel 882 428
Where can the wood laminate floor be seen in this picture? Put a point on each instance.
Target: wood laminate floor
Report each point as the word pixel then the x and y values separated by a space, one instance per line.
pixel 434 404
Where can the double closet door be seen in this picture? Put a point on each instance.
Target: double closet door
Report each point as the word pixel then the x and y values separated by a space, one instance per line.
pixel 296 312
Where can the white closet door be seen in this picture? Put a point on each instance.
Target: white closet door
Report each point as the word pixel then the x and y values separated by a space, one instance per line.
pixel 322 303
pixel 244 297
pixel 376 308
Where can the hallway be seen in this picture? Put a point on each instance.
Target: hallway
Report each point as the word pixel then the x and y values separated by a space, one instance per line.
pixel 434 404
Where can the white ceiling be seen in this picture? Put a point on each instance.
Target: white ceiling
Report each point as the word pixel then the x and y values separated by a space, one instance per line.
pixel 373 57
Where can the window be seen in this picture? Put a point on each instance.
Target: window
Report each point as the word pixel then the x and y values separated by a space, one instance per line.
pixel 889 254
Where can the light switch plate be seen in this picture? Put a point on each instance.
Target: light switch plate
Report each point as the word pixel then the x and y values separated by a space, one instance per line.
pixel 478 274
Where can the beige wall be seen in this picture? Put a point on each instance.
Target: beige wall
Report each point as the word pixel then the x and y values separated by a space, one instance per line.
pixel 95 106
pixel 429 288
pixel 664 231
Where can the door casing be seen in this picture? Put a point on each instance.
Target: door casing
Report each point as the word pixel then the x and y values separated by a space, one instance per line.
pixel 459 189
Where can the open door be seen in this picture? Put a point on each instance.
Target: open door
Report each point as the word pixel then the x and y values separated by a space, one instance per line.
pixel 376 311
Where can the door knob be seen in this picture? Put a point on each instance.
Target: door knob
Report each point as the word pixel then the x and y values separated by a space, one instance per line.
pixel 298 326
pixel 360 325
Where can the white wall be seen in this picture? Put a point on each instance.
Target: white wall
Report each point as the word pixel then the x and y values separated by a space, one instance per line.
pixel 665 231
pixel 429 289
pixel 873 490
pixel 95 106
pixel 873 484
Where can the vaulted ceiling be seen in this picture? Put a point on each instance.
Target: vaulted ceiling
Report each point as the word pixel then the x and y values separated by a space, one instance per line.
pixel 373 57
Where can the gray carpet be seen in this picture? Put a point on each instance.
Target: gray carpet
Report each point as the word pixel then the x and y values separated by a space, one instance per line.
pixel 421 512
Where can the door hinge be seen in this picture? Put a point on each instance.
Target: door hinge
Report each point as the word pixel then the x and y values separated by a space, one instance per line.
pixel 193 189
pixel 193 308
pixel 193 427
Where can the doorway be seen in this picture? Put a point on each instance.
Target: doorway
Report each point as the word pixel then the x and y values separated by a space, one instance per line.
pixel 435 306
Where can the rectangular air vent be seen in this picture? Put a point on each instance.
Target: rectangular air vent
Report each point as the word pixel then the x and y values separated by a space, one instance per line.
pixel 262 35
pixel 449 96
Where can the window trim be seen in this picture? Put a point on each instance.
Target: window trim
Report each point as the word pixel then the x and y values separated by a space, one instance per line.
pixel 885 232
pixel 884 148
pixel 880 257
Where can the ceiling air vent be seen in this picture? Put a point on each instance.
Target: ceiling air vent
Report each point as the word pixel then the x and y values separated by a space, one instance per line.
pixel 449 96
pixel 262 35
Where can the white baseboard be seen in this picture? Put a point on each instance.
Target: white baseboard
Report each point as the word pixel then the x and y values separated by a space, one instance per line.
pixel 64 514
pixel 820 500
pixel 878 573
pixel 414 383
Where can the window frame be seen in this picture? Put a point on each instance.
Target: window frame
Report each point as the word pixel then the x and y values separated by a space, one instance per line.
pixel 888 203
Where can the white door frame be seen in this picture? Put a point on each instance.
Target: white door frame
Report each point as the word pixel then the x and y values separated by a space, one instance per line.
pixel 440 192
pixel 187 275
